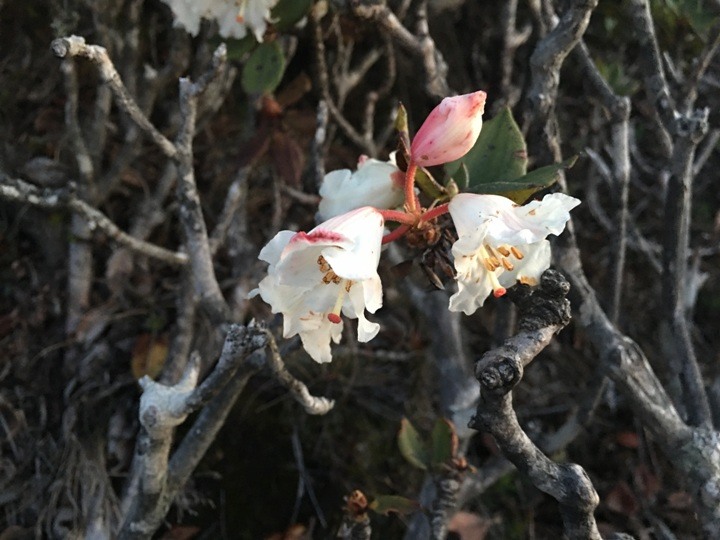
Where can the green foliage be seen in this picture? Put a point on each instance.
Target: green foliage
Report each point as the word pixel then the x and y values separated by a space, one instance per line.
pixel 238 48
pixel 497 163
pixel 412 447
pixel 521 189
pixel 614 73
pixel 697 14
pixel 441 448
pixel 386 504
pixel 499 154
pixel 264 69
pixel 444 441
pixel 287 13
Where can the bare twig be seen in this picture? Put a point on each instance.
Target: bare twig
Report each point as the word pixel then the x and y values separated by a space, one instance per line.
pixel 651 64
pixel 545 64
pixel 619 110
pixel 420 44
pixel 679 350
pixel 298 389
pixel 19 191
pixel 191 216
pixel 72 46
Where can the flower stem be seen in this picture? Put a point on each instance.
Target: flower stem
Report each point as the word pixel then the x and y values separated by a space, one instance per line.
pixel 411 202
pixel 394 235
pixel 400 217
pixel 435 212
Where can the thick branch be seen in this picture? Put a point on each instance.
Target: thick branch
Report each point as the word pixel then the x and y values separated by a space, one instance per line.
pixel 155 481
pixel 543 314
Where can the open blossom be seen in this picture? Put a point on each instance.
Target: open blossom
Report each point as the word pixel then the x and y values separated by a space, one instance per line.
pixel 315 276
pixel 375 183
pixel 500 243
pixel 234 17
pixel 450 130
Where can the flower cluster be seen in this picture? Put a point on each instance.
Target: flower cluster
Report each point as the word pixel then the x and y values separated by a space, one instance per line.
pixel 314 278
pixel 234 17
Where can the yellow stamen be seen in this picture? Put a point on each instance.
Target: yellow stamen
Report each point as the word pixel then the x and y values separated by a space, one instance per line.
pixel 503 251
pixel 517 253
pixel 507 264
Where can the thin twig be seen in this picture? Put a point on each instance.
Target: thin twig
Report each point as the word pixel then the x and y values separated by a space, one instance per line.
pixel 191 216
pixel 19 191
pixel 679 349
pixel 73 46
pixel 298 389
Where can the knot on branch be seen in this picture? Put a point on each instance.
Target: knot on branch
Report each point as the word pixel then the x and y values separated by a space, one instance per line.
pixel 500 376
pixel 577 491
pixel 544 306
pixel 693 126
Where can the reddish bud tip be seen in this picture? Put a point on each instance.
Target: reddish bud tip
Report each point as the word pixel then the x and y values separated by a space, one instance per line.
pixel 497 293
pixel 334 318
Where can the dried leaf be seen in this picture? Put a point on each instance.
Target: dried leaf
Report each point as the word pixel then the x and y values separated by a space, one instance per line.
pixel 469 526
pixel 288 158
pixel 627 439
pixel 148 355
pixel 622 500
pixel 181 532
pixel 386 504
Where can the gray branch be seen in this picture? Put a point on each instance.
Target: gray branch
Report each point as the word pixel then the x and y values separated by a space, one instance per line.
pixel 544 312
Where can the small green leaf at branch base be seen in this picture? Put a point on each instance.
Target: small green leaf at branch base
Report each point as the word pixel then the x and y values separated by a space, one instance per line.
pixel 385 504
pixel 264 69
pixel 412 447
pixel 521 189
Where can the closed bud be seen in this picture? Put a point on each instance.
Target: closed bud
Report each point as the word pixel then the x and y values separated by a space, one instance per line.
pixel 450 130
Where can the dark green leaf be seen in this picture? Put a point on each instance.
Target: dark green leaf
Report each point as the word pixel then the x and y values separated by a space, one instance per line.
pixel 238 48
pixel 499 154
pixel 521 189
pixel 444 442
pixel 287 13
pixel 412 447
pixel 384 504
pixel 264 69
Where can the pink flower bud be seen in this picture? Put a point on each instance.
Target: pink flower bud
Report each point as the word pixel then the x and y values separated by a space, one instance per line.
pixel 450 130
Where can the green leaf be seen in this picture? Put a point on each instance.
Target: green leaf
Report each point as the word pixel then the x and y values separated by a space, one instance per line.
pixel 412 447
pixel 444 442
pixel 238 48
pixel 428 185
pixel 264 69
pixel 499 154
pixel 521 189
pixel 287 13
pixel 384 504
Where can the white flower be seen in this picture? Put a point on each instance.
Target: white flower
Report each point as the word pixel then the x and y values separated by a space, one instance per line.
pixel 375 183
pixel 500 243
pixel 234 17
pixel 315 276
